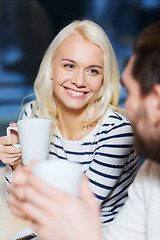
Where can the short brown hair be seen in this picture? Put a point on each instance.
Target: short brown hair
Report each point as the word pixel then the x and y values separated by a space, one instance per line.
pixel 146 48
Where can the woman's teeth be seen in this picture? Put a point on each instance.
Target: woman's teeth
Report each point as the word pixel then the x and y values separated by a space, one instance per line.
pixel 75 93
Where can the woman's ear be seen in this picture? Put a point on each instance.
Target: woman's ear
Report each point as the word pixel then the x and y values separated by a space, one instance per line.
pixel 51 74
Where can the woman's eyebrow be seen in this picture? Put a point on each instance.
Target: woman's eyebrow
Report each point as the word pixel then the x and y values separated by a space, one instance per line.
pixel 67 59
pixel 97 66
pixel 70 60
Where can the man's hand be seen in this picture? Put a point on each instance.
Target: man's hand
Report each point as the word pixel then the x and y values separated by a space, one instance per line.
pixel 55 214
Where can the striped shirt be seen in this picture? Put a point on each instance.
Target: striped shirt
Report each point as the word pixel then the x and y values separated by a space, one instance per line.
pixel 107 157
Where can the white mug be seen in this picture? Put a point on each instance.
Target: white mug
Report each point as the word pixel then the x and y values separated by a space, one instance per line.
pixel 34 137
pixel 61 174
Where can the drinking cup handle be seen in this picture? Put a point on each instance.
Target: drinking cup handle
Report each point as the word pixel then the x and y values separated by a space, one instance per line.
pixel 9 133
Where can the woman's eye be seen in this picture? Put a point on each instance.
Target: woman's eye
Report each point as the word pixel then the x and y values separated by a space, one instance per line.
pixel 69 66
pixel 93 71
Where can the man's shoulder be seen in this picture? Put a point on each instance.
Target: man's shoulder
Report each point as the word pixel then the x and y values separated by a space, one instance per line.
pixel 150 168
pixel 148 177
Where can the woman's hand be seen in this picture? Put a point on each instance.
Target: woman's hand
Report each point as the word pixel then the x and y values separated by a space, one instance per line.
pixel 10 154
pixel 54 213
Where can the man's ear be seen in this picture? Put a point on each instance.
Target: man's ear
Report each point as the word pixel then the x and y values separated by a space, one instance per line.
pixel 156 106
pixel 156 90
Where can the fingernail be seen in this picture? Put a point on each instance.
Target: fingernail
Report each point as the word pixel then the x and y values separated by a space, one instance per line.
pixel 12 122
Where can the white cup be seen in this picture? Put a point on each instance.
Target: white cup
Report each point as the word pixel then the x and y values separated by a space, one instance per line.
pixel 61 174
pixel 34 137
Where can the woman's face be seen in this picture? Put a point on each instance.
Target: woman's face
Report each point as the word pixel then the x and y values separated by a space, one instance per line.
pixel 77 73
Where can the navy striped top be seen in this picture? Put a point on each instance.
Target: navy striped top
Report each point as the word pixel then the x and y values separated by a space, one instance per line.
pixel 107 157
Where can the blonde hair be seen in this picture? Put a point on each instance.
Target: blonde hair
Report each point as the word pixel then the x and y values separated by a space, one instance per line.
pixel 109 91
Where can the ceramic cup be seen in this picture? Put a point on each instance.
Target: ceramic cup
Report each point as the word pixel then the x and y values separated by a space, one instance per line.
pixel 62 174
pixel 34 137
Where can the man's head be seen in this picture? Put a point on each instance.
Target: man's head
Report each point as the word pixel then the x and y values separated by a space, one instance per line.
pixel 141 78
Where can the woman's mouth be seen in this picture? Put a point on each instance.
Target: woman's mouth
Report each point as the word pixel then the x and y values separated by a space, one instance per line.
pixel 75 93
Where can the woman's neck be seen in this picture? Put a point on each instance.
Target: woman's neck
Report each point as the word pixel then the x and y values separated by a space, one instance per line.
pixel 71 124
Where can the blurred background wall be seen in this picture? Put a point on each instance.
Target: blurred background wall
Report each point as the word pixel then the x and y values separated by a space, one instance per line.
pixel 28 26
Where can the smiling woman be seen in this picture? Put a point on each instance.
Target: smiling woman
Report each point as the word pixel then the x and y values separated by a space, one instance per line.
pixel 77 75
pixel 77 88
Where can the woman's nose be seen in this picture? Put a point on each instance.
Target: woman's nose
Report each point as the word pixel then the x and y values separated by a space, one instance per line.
pixel 79 79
